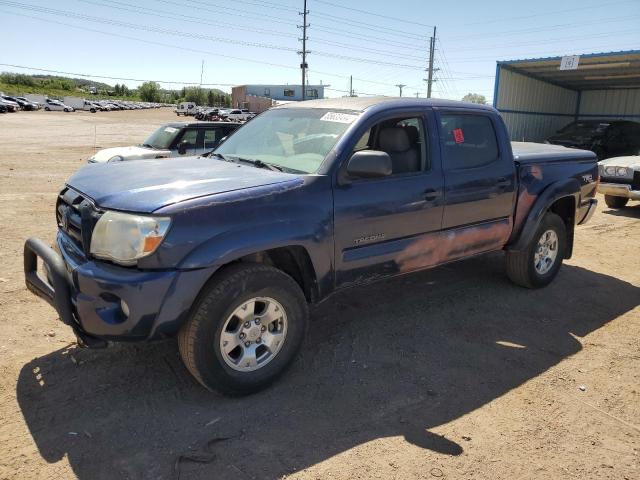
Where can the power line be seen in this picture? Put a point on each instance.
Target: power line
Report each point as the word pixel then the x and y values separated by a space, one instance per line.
pixel 548 13
pixel 386 17
pixel 105 77
pixel 187 49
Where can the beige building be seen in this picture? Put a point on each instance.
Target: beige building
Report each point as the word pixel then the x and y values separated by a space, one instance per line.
pixel 254 103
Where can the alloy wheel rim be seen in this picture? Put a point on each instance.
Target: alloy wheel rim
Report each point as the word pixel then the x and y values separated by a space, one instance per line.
pixel 253 335
pixel 546 252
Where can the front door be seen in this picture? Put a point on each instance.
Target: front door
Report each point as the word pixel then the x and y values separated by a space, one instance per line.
pixel 379 223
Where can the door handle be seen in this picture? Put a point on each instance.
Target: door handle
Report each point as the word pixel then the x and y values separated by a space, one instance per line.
pixel 430 195
pixel 503 182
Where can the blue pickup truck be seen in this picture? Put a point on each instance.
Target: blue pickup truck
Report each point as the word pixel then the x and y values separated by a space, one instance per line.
pixel 226 251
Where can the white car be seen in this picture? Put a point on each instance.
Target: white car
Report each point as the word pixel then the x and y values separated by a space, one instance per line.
pixel 238 115
pixel 619 180
pixel 171 140
pixel 56 106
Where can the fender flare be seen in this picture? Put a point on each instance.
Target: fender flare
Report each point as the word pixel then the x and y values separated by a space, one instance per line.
pixel 554 192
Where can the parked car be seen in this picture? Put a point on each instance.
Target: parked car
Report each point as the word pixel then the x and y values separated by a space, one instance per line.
pixel 56 106
pixel 605 138
pixel 171 140
pixel 9 105
pixel 186 108
pixel 237 115
pixel 620 180
pixel 35 105
pixel 81 104
pixel 3 108
pixel 23 104
pixel 309 198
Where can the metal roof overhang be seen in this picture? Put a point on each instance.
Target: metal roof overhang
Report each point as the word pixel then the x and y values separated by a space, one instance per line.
pixel 596 71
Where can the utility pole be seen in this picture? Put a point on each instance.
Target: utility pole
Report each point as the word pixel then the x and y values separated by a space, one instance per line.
pixel 400 86
pixel 351 86
pixel 417 94
pixel 432 49
pixel 303 65
pixel 201 73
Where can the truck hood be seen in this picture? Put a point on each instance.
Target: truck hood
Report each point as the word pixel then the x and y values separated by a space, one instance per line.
pixel 148 185
pixel 631 161
pixel 128 153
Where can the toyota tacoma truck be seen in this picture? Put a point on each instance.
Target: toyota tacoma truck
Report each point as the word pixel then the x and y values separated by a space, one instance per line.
pixel 227 251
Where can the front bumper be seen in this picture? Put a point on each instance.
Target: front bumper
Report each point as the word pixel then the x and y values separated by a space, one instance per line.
pixel 101 301
pixel 619 190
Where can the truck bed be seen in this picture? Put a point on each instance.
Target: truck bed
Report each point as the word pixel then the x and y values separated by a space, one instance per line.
pixel 529 152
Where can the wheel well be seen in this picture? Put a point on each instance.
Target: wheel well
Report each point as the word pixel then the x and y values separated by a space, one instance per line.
pixel 565 208
pixel 295 262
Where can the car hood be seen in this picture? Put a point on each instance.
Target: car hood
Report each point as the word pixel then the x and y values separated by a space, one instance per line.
pixel 631 161
pixel 128 153
pixel 148 185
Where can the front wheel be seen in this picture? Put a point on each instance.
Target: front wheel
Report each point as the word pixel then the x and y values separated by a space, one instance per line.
pixel 47 109
pixel 615 202
pixel 245 330
pixel 538 264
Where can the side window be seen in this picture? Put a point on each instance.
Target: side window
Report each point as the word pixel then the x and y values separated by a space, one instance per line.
pixel 467 141
pixel 403 139
pixel 190 137
pixel 212 137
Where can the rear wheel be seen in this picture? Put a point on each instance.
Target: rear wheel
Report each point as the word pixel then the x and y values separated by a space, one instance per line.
pixel 245 330
pixel 615 202
pixel 47 109
pixel 538 264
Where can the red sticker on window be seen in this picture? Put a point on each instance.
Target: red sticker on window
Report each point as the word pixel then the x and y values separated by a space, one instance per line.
pixel 458 136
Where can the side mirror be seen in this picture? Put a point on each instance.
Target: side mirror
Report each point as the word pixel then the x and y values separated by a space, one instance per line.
pixel 182 147
pixel 222 140
pixel 369 164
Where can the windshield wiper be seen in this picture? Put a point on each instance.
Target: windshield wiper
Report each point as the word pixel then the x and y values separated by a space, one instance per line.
pixel 258 163
pixel 147 145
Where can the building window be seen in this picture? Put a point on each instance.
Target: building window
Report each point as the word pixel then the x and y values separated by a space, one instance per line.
pixel 289 93
pixel 312 93
pixel 267 92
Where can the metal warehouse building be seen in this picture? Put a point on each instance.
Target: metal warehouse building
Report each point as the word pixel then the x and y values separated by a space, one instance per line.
pixel 537 97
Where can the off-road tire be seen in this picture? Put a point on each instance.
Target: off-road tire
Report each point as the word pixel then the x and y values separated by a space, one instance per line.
pixel 520 264
pixel 615 202
pixel 199 338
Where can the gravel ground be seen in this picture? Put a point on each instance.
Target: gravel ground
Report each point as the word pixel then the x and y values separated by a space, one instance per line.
pixel 451 373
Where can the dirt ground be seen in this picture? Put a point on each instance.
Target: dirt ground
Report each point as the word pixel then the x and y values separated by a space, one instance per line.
pixel 452 373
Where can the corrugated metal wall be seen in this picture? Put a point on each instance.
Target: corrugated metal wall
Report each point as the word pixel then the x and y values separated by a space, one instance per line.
pixel 619 103
pixel 528 106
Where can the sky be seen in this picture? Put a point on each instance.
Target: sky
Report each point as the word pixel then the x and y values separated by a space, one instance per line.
pixel 380 43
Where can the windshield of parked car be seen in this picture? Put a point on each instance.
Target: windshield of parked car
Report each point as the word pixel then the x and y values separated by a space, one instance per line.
pixel 583 129
pixel 162 138
pixel 295 139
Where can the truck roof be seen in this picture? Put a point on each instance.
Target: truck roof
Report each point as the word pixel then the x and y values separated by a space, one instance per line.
pixel 360 104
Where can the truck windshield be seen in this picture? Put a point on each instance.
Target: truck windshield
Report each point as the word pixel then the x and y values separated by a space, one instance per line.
pixel 295 139
pixel 162 138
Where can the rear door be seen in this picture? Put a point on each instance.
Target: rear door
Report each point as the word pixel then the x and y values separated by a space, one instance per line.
pixel 479 175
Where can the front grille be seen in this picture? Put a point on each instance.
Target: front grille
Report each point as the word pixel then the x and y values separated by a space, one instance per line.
pixel 76 216
pixel 635 182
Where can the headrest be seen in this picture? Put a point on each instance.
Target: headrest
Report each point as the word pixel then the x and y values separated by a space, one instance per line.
pixel 413 133
pixel 394 140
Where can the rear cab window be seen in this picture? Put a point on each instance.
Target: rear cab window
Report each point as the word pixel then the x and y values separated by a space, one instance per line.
pixel 467 141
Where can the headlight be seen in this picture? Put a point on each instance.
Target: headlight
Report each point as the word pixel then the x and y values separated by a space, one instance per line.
pixel 610 171
pixel 621 171
pixel 124 238
pixel 117 158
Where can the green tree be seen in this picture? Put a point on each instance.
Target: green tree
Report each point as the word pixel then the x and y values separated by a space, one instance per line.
pixel 210 98
pixel 195 95
pixel 475 98
pixel 149 92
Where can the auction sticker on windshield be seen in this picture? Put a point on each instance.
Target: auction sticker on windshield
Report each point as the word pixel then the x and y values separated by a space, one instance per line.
pixel 170 129
pixel 338 117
